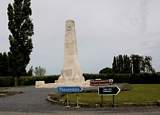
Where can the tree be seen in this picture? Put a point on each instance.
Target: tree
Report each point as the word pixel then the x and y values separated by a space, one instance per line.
pixel 21 28
pixel 1 64
pixel 39 71
pixel 121 64
pixel 114 65
pixel 146 65
pixel 142 64
pixel 30 71
pixel 106 70
pixel 4 64
pixel 133 64
pixel 126 64
pixel 136 61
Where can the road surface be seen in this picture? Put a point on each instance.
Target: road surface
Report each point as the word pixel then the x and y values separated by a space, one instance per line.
pixel 34 101
pixel 79 113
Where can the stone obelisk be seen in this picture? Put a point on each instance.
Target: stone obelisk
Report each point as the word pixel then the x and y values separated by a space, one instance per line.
pixel 71 73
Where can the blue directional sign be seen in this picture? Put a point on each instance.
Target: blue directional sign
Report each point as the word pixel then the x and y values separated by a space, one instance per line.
pixel 108 90
pixel 69 89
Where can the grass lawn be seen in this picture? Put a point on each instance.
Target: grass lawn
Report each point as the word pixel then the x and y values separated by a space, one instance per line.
pixel 140 94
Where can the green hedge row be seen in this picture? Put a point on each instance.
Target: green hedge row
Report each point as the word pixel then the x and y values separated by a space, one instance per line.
pixel 6 81
pixel 26 80
pixel 118 78
pixel 143 78
pixel 31 80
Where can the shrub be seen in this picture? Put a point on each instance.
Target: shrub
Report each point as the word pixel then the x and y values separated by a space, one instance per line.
pixel 6 81
pixel 126 87
pixel 145 78
pixel 26 80
pixel 31 80
pixel 118 78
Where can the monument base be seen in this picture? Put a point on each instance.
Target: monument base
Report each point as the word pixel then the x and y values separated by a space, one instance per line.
pixel 77 79
pixel 56 84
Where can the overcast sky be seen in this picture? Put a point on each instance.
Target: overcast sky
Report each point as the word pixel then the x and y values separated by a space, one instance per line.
pixel 104 28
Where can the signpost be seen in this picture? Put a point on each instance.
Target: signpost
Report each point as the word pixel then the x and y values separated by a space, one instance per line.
pixel 101 82
pixel 70 89
pixel 108 90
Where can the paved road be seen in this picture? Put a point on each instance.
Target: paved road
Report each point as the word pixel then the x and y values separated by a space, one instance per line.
pixel 34 100
pixel 80 113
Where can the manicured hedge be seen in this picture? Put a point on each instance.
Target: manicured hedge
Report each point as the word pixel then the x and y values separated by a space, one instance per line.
pixel 145 78
pixel 118 78
pixel 6 81
pixel 31 80
pixel 26 80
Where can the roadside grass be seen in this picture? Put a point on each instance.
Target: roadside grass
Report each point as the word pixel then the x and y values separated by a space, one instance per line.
pixel 4 93
pixel 140 94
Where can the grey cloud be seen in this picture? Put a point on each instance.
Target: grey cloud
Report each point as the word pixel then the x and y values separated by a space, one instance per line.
pixel 104 28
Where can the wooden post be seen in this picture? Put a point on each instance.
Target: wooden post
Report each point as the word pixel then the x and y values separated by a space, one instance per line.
pixel 67 102
pixel 77 101
pixel 101 105
pixel 113 101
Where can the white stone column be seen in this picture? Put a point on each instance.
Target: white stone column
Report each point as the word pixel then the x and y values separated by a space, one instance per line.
pixel 71 73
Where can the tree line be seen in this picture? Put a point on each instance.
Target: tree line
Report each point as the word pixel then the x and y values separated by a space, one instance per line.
pixel 20 25
pixel 134 64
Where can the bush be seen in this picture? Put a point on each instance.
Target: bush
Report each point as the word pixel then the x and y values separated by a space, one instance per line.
pixel 126 87
pixel 118 78
pixel 31 80
pixel 26 80
pixel 6 81
pixel 145 78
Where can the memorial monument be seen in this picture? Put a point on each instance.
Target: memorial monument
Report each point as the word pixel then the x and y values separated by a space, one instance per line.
pixel 71 73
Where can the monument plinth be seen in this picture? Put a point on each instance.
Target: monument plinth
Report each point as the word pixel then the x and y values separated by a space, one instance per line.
pixel 71 73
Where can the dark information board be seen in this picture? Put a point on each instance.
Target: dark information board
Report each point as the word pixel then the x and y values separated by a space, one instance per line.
pixel 108 90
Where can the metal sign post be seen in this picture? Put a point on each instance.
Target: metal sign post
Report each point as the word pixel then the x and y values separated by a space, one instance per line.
pixel 108 90
pixel 70 89
pixel 101 105
pixel 67 101
pixel 113 101
pixel 77 101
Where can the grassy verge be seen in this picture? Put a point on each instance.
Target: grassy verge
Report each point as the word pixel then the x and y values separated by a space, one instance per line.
pixel 9 93
pixel 140 94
